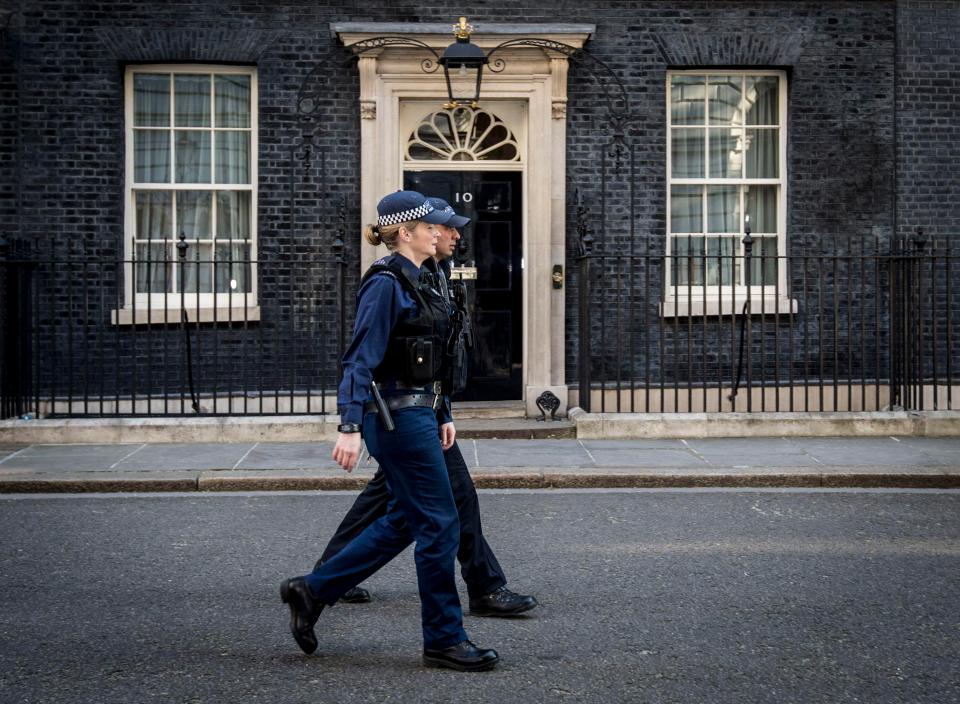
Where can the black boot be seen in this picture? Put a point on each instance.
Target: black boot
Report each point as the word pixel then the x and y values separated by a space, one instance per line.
pixel 502 602
pixel 356 595
pixel 464 657
pixel 305 609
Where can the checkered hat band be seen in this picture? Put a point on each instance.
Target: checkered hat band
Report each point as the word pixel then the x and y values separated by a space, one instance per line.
pixel 405 215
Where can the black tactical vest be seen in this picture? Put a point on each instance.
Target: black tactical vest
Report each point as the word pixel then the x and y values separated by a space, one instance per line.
pixel 415 351
pixel 456 366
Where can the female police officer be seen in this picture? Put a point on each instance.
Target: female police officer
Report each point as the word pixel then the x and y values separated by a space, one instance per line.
pixel 398 340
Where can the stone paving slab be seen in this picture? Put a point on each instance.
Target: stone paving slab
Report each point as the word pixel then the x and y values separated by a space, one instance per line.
pixel 288 455
pixel 644 444
pixel 942 450
pixel 866 451
pixel 647 458
pixel 753 452
pixel 73 457
pixel 185 456
pixel 539 453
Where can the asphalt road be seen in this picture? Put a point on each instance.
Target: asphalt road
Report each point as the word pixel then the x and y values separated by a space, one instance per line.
pixel 647 596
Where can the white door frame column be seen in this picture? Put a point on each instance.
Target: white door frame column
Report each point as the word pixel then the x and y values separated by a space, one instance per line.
pixel 391 75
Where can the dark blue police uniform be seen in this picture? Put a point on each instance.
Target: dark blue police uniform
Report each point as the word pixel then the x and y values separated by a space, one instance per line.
pixel 479 566
pixel 401 333
pixel 422 507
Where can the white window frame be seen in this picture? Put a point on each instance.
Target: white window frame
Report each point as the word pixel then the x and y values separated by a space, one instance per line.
pixel 236 306
pixel 685 299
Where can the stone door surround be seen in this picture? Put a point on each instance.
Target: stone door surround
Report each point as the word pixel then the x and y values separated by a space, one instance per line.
pixel 392 74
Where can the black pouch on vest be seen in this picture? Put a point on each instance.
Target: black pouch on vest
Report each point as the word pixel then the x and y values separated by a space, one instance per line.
pixel 420 360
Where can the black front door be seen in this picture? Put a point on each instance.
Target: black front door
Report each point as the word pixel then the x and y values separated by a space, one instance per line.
pixel 492 243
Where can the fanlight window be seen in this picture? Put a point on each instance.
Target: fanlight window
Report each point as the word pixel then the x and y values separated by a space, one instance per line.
pixel 462 134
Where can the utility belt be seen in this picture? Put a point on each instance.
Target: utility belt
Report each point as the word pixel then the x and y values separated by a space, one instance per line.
pixel 395 403
pixel 431 388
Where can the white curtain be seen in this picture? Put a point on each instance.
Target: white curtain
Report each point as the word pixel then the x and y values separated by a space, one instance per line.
pixel 193 221
pixel 192 156
pixel 153 230
pixel 151 156
pixel 191 98
pixel 233 101
pixel 233 157
pixel 151 100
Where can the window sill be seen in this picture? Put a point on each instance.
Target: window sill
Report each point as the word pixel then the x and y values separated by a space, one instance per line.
pixel 171 316
pixel 759 305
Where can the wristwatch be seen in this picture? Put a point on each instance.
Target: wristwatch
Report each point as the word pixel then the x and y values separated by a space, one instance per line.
pixel 348 428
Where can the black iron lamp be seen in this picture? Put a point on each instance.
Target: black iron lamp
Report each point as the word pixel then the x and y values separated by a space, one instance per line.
pixel 464 57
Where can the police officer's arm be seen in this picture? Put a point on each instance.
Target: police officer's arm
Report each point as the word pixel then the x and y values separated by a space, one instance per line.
pixel 445 418
pixel 379 307
pixel 447 435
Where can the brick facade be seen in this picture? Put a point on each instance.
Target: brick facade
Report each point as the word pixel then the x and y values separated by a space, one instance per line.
pixel 870 82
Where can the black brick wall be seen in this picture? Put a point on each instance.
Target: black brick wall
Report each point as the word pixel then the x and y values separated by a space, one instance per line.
pixel 840 58
pixel 928 117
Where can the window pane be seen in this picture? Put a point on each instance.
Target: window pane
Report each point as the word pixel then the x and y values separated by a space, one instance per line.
pixel 192 156
pixel 191 95
pixel 233 157
pixel 763 100
pixel 154 210
pixel 725 92
pixel 151 156
pixel 763 262
pixel 153 274
pixel 721 261
pixel 762 153
pixel 686 153
pixel 197 269
pixel 687 261
pixel 687 100
pixel 233 101
pixel 233 268
pixel 233 215
pixel 761 204
pixel 151 100
pixel 726 153
pixel 686 209
pixel 723 209
pixel 193 215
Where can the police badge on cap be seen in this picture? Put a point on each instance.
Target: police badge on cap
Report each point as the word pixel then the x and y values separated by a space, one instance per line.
pixel 404 206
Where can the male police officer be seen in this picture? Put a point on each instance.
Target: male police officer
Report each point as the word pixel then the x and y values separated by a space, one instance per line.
pixel 486 583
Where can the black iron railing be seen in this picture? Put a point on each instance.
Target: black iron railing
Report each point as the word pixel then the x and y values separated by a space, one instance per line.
pixel 83 337
pixel 869 329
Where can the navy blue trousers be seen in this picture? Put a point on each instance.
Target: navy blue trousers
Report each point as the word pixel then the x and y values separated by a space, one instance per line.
pixel 478 565
pixel 422 509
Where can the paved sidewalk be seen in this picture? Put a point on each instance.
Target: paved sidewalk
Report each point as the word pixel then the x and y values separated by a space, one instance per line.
pixel 787 462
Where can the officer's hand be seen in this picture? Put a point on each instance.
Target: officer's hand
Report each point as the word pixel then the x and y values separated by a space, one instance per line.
pixel 447 435
pixel 347 450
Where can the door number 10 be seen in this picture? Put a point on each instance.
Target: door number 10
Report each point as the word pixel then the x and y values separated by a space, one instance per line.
pixel 463 197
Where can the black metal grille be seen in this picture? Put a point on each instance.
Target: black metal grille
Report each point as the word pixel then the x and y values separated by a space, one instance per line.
pixel 71 347
pixel 848 331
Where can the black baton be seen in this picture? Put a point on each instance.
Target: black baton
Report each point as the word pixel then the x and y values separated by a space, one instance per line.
pixel 382 408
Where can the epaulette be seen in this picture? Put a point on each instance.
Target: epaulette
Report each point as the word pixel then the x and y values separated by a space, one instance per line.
pixel 394 266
